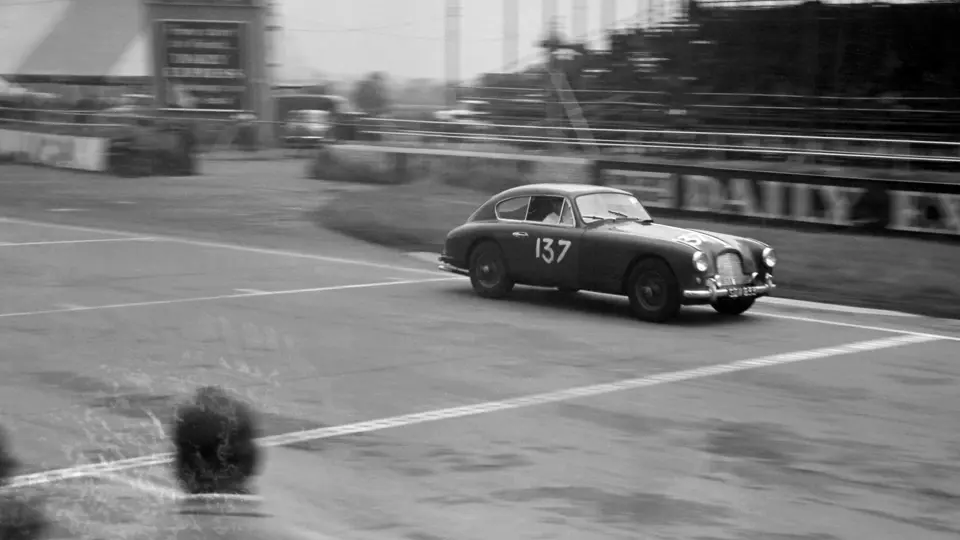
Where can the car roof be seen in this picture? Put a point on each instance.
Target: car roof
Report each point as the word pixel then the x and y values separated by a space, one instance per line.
pixel 557 188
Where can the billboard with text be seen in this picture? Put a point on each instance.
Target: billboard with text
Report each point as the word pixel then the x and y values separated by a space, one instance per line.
pixel 204 65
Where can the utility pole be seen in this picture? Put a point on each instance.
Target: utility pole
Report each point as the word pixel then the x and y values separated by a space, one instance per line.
pixel 550 42
pixel 578 23
pixel 511 34
pixel 452 49
pixel 608 15
pixel 548 12
pixel 274 64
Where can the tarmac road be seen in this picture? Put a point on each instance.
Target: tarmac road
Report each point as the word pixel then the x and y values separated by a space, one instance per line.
pixel 548 416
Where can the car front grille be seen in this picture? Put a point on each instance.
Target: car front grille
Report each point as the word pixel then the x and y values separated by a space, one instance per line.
pixel 730 269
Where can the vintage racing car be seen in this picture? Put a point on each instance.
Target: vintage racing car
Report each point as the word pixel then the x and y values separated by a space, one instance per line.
pixel 584 237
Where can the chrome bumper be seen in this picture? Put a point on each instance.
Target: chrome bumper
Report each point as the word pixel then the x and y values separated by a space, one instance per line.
pixel 453 269
pixel 712 291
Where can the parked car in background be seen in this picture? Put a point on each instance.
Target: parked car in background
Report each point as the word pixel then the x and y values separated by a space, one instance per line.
pixel 306 128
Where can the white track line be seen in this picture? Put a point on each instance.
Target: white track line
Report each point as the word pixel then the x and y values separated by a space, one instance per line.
pixel 163 491
pixel 820 306
pixel 82 471
pixel 79 309
pixel 145 486
pixel 222 245
pixel 92 241
pixel 854 325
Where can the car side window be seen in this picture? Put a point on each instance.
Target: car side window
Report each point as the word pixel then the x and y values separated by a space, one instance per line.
pixel 566 216
pixel 548 210
pixel 515 208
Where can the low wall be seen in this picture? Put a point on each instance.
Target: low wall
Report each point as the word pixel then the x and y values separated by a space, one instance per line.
pixel 480 170
pixel 54 150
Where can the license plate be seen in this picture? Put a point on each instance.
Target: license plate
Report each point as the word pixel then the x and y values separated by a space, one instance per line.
pixel 741 292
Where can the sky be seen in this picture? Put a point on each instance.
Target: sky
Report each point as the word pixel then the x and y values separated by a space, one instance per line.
pixel 406 37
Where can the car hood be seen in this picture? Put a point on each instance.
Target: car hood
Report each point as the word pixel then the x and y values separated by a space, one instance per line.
pixel 709 242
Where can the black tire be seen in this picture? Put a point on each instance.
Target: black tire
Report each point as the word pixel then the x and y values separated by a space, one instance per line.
pixel 733 306
pixel 653 291
pixel 488 271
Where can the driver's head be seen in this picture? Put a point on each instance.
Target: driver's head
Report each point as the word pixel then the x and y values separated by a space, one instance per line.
pixel 215 450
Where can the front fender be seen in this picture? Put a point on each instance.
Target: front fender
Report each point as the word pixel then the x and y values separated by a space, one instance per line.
pixel 678 256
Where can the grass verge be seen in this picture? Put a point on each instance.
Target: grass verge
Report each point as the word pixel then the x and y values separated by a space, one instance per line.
pixel 917 276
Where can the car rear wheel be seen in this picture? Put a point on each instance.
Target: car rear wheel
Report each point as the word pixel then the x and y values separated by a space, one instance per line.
pixel 488 271
pixel 653 291
pixel 733 306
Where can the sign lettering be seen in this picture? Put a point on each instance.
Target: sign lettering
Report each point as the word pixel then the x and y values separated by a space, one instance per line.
pixel 931 212
pixel 839 202
pixel 204 65
pixel 772 198
pixel 54 151
pixel 845 205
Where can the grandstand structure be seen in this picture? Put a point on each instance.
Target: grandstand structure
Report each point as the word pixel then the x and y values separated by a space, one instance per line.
pixel 847 67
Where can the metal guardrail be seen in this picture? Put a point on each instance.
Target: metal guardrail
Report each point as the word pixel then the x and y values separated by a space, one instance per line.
pixel 707 133
pixel 938 152
pixel 21 121
pixel 535 89
pixel 609 143
pixel 48 112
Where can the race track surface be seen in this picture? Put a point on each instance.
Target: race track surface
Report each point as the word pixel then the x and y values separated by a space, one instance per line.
pixel 546 416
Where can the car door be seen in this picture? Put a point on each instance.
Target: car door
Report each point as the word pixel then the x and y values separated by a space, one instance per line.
pixel 513 234
pixel 549 244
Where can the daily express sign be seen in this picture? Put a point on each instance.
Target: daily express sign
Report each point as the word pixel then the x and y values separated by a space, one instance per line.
pixel 914 211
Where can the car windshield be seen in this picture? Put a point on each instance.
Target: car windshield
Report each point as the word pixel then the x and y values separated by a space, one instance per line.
pixel 309 116
pixel 597 206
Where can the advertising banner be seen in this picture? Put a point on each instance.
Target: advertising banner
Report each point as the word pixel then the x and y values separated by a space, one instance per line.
pixel 204 65
pixel 896 206
pixel 53 150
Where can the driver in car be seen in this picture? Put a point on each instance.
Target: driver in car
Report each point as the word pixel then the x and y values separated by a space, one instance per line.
pixel 553 208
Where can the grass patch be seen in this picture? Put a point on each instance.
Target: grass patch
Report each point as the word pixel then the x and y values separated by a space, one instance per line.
pixel 356 166
pixel 911 275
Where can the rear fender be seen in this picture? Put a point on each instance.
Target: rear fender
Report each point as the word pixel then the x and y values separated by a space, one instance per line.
pixel 476 242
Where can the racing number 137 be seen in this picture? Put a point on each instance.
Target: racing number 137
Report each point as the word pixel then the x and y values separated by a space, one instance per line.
pixel 546 251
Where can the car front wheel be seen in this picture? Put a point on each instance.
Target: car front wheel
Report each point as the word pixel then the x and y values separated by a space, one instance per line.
pixel 488 271
pixel 733 306
pixel 653 291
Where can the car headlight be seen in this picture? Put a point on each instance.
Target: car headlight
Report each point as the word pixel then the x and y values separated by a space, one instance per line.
pixel 769 257
pixel 700 261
